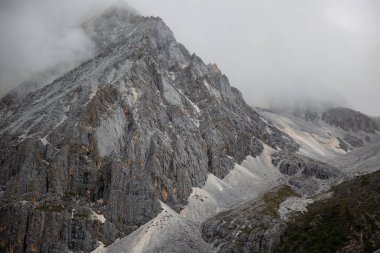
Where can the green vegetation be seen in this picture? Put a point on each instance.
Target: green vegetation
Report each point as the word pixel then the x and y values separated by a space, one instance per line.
pixel 320 230
pixel 274 198
pixel 348 222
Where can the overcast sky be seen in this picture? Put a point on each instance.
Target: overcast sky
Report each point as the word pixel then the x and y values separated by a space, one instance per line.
pixel 272 50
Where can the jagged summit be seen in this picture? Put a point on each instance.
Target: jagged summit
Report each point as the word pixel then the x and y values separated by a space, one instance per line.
pixel 342 117
pixel 144 131
pixel 142 122
pixel 112 25
pixel 349 120
pixel 339 116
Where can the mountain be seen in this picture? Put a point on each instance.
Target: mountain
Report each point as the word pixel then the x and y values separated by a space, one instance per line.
pixel 344 118
pixel 143 147
pixel 90 156
pixel 345 219
pixel 377 121
pixel 348 221
pixel 292 217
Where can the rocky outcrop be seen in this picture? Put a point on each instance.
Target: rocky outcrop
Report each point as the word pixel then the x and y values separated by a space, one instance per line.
pixel 343 145
pixel 349 120
pixel 292 164
pixel 345 219
pixel 353 141
pixel 346 222
pixel 344 118
pixel 142 122
pixel 350 142
pixel 53 225
pixel 252 227
pixel 377 121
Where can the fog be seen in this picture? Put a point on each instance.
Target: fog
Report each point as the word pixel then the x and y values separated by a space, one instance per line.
pixel 278 51
pixel 275 51
pixel 41 34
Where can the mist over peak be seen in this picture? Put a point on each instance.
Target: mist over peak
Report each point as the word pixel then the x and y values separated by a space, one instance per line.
pixel 268 47
pixel 120 9
pixel 269 50
pixel 40 35
pixel 122 140
pixel 304 96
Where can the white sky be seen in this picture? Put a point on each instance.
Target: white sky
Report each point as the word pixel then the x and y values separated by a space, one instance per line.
pixel 274 51
pixel 279 50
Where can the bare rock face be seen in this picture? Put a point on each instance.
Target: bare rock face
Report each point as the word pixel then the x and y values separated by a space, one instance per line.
pixel 377 121
pixel 348 221
pixel 345 219
pixel 88 157
pixel 252 227
pixel 353 141
pixel 344 118
pixel 292 164
pixel 349 120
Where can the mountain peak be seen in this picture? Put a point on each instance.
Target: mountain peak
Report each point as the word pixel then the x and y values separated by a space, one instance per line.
pixel 121 7
pixel 112 25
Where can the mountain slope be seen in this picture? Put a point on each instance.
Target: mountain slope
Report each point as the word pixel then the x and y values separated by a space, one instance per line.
pixel 90 156
pixel 298 218
pixel 132 150
pixel 323 140
pixel 349 221
pixel 345 219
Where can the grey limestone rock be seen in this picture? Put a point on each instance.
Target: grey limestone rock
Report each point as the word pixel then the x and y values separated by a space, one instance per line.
pixel 254 226
pixel 142 122
pixel 292 164
pixel 353 141
pixel 349 120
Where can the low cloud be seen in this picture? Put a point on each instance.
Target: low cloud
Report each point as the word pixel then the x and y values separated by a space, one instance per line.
pixel 41 34
pixel 285 49
pixel 274 51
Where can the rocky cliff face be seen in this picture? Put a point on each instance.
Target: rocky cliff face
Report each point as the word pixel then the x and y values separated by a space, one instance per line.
pixel 252 227
pixel 377 121
pixel 88 157
pixel 293 164
pixel 346 219
pixel 346 222
pixel 348 119
pixel 344 118
pixel 284 220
